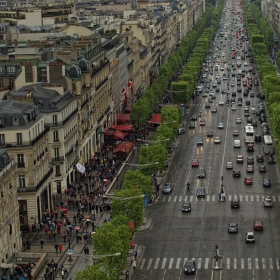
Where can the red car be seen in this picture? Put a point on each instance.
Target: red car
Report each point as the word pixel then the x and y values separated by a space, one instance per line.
pixel 258 225
pixel 248 181
pixel 195 162
pixel 260 158
pixel 202 123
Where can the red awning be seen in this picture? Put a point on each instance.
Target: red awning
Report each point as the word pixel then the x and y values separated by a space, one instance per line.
pixel 124 147
pixel 109 132
pixel 156 118
pixel 123 118
pixel 121 127
pixel 119 135
pixel 127 109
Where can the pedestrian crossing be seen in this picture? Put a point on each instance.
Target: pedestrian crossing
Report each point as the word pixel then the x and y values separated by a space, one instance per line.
pixel 248 198
pixel 207 263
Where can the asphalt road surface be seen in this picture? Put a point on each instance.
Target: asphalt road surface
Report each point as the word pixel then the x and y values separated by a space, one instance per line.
pixel 176 236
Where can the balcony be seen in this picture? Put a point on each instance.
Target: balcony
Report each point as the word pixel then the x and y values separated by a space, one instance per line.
pixel 84 103
pixel 106 63
pixel 101 84
pixel 25 143
pixel 71 151
pixel 38 186
pixel 57 159
pixel 130 63
pixel 63 122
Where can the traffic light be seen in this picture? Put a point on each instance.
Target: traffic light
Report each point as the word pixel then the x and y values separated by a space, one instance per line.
pixel 216 247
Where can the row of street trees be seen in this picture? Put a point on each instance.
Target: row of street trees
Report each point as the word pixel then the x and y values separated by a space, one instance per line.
pixel 127 205
pixel 262 39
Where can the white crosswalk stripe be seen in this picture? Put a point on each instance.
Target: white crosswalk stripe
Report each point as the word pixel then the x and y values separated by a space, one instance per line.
pixel 205 263
pixel 214 198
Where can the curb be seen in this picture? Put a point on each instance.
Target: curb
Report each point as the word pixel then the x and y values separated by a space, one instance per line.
pixel 149 222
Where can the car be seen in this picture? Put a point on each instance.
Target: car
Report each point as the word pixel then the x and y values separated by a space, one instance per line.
pixel 200 192
pixel 167 188
pixel 194 117
pixel 201 173
pixel 250 237
pixel 223 91
pixel 210 133
pixel 181 131
pixel 248 181
pixel 190 267
pixel 236 173
pixel 245 63
pixel 254 123
pixel 199 142
pixel 258 225
pixel 267 201
pixel 202 123
pixel 239 158
pixel 246 113
pixel 236 143
pixel 250 160
pixel 232 228
pixel 204 94
pixel 250 147
pixel 217 140
pixel 186 206
pixel 195 162
pixel 238 120
pixel 233 94
pixel 207 104
pixel 229 165
pixel 260 158
pixel 235 133
pixel 192 125
pixel 250 168
pixel 235 203
pixel 214 110
pixel 214 84
pixel 266 183
pixel 221 103
pixel 233 108
pixel 262 169
pixel 220 126
pixel 271 160
pixel 258 138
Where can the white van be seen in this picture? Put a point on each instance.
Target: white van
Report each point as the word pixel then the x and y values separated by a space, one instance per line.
pixel 237 143
pixel 253 110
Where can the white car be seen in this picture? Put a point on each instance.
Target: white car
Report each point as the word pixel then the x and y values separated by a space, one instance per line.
pixel 229 165
pixel 238 120
pixel 267 201
pixel 233 108
pixel 222 68
pixel 235 133
pixel 220 126
pixel 217 140
pixel 221 102
pixel 250 237
pixel 245 63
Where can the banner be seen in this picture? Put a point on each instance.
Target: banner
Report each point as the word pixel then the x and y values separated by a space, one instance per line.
pixel 81 168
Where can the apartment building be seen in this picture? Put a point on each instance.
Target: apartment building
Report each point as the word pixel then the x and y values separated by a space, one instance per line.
pixel 10 236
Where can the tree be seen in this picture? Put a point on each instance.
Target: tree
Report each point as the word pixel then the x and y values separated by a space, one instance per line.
pixel 110 239
pixel 132 207
pixel 92 272
pixel 137 179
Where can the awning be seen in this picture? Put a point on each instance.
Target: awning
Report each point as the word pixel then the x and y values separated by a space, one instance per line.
pixel 127 109
pixel 124 148
pixel 109 132
pixel 118 135
pixel 123 118
pixel 122 127
pixel 156 118
pixel 6 265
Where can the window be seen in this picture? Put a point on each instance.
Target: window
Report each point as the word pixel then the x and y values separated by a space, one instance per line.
pixel 56 152
pixel 2 69
pixel 11 83
pixel 55 136
pixel 21 181
pixel 1 82
pixel 54 117
pixel 2 139
pixel 11 69
pixel 19 138
pixel 57 170
pixel 20 160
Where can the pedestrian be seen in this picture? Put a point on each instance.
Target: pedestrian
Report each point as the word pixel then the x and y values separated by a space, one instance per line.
pixel 56 247
pixel 85 250
pixel 134 264
pixel 42 243
pixel 50 234
pixel 127 275
pixel 60 248
pixel 64 237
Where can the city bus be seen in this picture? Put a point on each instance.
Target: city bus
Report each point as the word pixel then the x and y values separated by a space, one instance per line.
pixel 249 134
pixel 267 144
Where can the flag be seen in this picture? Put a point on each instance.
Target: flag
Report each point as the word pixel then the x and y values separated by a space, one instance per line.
pixel 124 94
pixel 130 85
pixel 81 168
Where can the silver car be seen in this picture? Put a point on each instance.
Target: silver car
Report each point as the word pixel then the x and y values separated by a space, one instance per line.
pixel 167 188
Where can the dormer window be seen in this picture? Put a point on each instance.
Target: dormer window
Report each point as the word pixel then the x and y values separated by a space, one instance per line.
pixel 2 69
pixel 11 69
